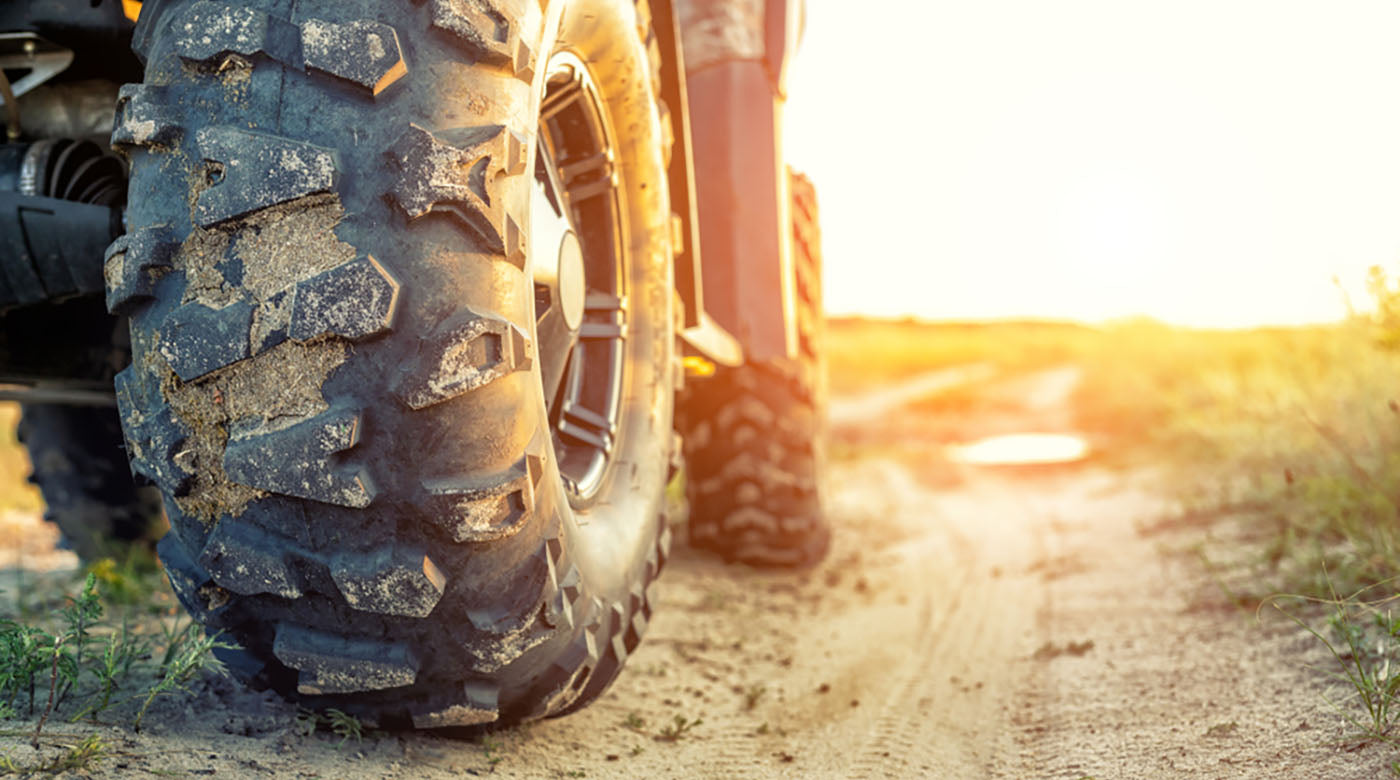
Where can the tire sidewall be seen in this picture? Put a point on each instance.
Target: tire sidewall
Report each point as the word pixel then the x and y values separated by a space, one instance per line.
pixel 612 536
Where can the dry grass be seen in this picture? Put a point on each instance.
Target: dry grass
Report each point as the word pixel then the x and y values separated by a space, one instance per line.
pixel 865 353
pixel 1191 391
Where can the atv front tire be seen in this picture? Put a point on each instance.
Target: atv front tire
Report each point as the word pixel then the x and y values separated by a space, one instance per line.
pixel 399 282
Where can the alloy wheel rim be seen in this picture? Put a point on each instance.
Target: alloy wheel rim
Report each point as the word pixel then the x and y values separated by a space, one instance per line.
pixel 579 275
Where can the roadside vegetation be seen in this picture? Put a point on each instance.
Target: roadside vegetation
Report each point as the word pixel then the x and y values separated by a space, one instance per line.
pixel 865 353
pixel 1284 448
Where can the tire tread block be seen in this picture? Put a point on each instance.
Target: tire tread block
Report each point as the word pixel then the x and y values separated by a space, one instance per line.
pixel 299 460
pixel 475 703
pixel 332 663
pixel 197 340
pixel 132 264
pixel 467 351
pixel 253 171
pixel 145 118
pixel 247 561
pixel 355 300
pixel 458 172
pixel 399 579
pixel 471 509
pixel 362 52
pixel 489 30
pixel 154 441
pixel 209 31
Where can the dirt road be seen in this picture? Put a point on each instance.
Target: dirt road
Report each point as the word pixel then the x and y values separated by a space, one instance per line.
pixel 971 622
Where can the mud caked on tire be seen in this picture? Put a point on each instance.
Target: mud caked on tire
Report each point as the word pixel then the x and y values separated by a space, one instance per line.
pixel 754 433
pixel 399 282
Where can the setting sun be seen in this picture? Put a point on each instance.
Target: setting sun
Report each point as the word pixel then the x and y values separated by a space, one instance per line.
pixel 1203 163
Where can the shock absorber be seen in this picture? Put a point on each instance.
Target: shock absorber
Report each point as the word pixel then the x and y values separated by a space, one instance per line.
pixel 60 206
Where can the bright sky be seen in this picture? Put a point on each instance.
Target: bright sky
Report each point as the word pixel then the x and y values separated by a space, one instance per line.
pixel 1202 162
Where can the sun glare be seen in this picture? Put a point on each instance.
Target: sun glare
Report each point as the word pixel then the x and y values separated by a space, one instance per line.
pixel 1201 163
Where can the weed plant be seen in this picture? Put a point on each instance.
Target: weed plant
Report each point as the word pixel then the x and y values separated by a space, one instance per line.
pixel 338 722
pixel 80 663
pixel 676 729
pixel 85 755
pixel 1362 638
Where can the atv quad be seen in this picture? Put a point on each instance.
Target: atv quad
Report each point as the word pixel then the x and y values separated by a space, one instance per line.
pixel 405 293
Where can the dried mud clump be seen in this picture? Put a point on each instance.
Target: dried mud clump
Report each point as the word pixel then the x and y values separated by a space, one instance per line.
pixel 277 387
pixel 271 251
pixel 285 244
pixel 273 390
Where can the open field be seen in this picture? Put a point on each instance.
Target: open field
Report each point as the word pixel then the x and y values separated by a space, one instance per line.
pixel 1095 618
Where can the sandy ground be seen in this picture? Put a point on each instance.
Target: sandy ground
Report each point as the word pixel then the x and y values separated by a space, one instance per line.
pixel 971 622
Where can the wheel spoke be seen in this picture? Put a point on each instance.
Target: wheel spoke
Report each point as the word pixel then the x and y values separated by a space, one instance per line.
pixel 561 97
pixel 605 317
pixel 598 166
pixel 592 188
pixel 603 302
pixel 587 427
pixel 602 331
pixel 556 344
pixel 547 228
pixel 555 339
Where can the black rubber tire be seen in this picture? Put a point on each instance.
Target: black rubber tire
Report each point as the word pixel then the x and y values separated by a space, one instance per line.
pixel 332 329
pixel 755 433
pixel 79 464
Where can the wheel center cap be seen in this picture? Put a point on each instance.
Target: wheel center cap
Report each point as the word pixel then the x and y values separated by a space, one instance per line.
pixel 572 290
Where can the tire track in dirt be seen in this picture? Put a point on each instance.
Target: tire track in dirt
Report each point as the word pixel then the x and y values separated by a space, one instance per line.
pixel 930 566
pixel 946 717
pixel 893 739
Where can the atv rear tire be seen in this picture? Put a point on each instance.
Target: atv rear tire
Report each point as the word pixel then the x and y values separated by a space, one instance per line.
pixel 79 464
pixel 344 319
pixel 754 433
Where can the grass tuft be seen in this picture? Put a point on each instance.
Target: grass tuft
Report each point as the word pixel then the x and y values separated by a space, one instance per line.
pixel 188 651
pixel 676 729
pixel 1363 639
pixel 84 756
pixel 753 694
pixel 77 660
